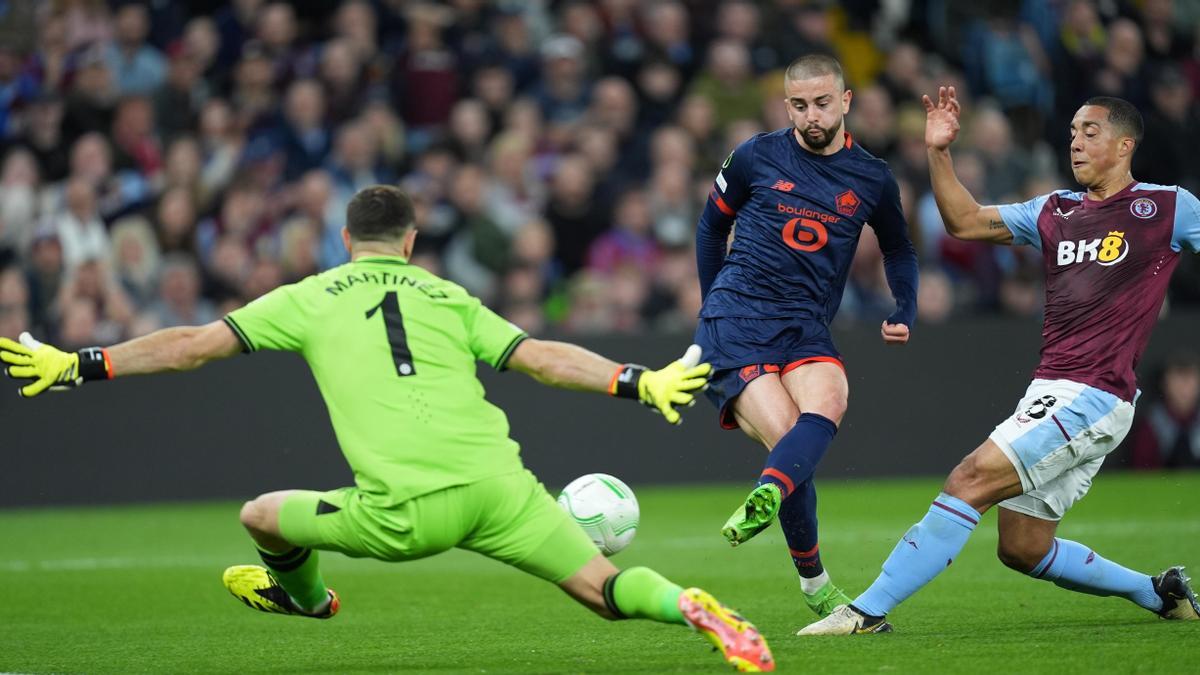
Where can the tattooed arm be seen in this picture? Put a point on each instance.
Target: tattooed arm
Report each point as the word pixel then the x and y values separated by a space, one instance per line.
pixel 963 216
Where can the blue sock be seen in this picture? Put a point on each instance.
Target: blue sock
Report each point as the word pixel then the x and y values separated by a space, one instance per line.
pixel 798 519
pixel 796 455
pixel 921 554
pixel 1075 567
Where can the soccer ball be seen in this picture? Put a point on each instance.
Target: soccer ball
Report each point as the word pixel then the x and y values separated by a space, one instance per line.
pixel 605 508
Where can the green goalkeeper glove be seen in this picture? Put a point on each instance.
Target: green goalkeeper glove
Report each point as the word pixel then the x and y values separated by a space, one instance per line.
pixel 49 367
pixel 664 389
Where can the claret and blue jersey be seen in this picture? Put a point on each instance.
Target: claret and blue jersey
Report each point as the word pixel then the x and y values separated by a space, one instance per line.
pixel 1107 263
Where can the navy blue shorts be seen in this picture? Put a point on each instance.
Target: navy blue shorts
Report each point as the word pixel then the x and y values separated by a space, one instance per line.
pixel 741 350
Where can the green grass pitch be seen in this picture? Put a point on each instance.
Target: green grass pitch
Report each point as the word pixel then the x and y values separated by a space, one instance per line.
pixel 137 590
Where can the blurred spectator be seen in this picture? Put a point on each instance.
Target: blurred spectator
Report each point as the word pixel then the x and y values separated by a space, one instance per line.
pixel 93 283
pixel 92 97
pixel 304 137
pixel 356 26
pixel 199 47
pixel 387 133
pixel 1124 73
pixel 470 130
pixel 44 273
pixel 515 195
pixel 903 77
pixel 675 210
pixel 935 296
pixel 135 140
pixel 16 88
pixel 341 75
pixel 80 230
pixel 873 121
pixel 1166 433
pixel 1005 166
pixel 19 186
pixel 44 138
pixel 494 87
pixel 14 303
pixel 1004 59
pixel 741 20
pixel 1078 56
pixel 86 22
pixel 355 163
pixel 235 24
pixel 220 144
pixel 573 211
pixel 1165 44
pixel 177 103
pixel 728 81
pixel 1168 153
pixel 425 78
pixel 275 30
pixel 564 90
pixel 253 95
pixel 183 168
pixel 581 21
pixel 50 64
pixel 630 241
pixel 659 86
pixel 179 302
pixel 135 258
pixel 226 273
pixel 515 49
pixel 136 67
pixel 479 253
pixel 175 219
pixel 298 248
pixel 614 106
pixel 668 35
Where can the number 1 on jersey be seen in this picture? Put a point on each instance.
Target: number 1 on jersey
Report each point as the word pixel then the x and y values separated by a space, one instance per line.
pixel 393 321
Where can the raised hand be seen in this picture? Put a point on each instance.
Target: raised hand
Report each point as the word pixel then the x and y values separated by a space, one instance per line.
pixel 941 120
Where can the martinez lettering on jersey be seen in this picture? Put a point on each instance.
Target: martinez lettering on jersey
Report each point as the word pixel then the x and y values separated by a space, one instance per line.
pixel 384 279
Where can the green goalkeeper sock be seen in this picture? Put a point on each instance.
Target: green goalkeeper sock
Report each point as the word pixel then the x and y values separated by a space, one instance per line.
pixel 298 572
pixel 642 593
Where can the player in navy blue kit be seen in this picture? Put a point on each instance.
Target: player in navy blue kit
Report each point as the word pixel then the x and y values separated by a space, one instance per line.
pixel 800 197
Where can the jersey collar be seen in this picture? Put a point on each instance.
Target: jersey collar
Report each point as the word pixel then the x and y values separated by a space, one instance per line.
pixel 390 259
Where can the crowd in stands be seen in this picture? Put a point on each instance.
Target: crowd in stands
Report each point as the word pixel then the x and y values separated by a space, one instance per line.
pixel 163 163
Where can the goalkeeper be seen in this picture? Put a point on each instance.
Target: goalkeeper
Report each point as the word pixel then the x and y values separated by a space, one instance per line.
pixel 393 349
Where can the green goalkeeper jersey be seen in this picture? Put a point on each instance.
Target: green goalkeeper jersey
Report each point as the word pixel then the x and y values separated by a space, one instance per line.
pixel 393 350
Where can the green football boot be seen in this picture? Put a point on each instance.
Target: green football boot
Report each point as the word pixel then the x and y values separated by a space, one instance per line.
pixel 754 515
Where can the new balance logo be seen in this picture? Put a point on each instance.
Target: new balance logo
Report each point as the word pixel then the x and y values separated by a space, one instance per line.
pixel 783 185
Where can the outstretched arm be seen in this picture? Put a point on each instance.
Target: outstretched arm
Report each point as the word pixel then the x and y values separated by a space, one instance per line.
pixel 569 366
pixel 183 348
pixel 964 218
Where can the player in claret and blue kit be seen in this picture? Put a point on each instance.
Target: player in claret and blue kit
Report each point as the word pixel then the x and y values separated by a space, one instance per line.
pixel 800 197
pixel 1108 253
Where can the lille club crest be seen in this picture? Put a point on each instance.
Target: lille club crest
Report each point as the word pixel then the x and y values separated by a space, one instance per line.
pixel 1143 208
pixel 847 203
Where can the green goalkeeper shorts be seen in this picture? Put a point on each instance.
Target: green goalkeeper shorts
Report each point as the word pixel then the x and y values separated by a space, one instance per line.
pixel 510 518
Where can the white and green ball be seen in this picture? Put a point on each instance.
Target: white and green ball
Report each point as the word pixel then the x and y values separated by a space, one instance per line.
pixel 605 508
